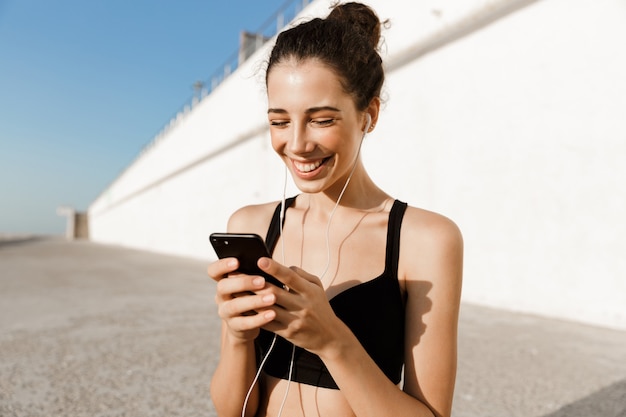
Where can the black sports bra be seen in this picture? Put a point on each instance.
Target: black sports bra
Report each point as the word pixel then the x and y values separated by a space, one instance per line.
pixel 373 310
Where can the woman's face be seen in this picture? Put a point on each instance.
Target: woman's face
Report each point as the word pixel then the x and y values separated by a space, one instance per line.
pixel 314 124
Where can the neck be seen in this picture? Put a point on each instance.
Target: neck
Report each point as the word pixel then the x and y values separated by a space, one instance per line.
pixel 361 194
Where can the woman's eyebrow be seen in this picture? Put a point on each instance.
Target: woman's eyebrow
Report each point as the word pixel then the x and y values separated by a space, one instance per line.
pixel 281 111
pixel 321 108
pixel 308 111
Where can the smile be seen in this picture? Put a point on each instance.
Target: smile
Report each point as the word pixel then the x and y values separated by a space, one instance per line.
pixel 306 167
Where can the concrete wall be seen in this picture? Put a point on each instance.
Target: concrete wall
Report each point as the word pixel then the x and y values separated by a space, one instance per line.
pixel 507 116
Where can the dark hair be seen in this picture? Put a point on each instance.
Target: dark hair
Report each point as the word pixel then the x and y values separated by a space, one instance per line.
pixel 346 41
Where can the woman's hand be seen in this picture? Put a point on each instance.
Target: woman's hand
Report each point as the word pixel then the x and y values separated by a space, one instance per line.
pixel 303 314
pixel 242 300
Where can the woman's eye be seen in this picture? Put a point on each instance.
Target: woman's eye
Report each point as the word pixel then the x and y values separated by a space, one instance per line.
pixel 324 122
pixel 278 123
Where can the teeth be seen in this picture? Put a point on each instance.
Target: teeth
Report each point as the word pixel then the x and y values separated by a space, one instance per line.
pixel 307 167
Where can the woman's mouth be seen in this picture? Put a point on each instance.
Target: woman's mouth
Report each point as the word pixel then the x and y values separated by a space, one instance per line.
pixel 309 166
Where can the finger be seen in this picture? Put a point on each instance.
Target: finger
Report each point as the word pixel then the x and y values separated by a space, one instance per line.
pixel 251 322
pixel 242 306
pixel 236 285
pixel 222 267
pixel 285 275
pixel 309 277
pixel 280 323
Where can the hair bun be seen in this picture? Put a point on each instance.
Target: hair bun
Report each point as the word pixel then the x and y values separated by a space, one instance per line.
pixel 361 17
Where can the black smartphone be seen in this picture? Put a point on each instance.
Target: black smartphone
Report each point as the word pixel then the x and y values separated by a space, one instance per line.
pixel 247 248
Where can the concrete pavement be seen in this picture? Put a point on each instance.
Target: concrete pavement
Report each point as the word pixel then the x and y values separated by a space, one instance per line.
pixel 95 330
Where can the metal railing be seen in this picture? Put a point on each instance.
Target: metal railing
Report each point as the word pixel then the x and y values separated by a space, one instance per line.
pixel 250 43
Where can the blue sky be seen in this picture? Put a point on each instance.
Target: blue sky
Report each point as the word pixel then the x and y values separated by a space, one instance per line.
pixel 84 85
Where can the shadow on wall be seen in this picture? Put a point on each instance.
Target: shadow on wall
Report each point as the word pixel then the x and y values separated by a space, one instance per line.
pixel 607 402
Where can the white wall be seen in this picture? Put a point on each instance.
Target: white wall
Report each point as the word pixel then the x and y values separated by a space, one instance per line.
pixel 518 132
pixel 515 130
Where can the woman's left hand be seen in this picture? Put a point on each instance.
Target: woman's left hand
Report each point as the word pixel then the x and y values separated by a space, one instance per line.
pixel 303 314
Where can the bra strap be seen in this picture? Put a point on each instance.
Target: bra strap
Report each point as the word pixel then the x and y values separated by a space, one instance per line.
pixel 393 236
pixel 273 232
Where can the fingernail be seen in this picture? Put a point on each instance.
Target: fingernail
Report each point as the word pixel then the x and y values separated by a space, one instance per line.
pixel 232 262
pixel 259 282
pixel 268 298
pixel 264 262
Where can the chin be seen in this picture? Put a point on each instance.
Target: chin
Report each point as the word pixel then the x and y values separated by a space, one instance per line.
pixel 308 187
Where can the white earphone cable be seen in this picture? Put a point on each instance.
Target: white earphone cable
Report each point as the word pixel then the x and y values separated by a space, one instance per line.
pixel 256 377
pixel 343 190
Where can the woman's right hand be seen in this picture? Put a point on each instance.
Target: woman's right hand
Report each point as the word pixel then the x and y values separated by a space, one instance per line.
pixel 243 301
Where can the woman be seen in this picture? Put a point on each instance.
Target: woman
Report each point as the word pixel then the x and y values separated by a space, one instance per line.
pixel 372 286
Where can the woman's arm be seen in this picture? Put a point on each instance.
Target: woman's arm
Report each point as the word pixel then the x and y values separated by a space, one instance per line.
pixel 236 296
pixel 233 378
pixel 433 269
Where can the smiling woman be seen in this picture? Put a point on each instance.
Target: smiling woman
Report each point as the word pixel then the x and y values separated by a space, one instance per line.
pixel 318 143
pixel 371 285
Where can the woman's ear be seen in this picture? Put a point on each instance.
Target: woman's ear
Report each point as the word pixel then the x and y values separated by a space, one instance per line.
pixel 371 117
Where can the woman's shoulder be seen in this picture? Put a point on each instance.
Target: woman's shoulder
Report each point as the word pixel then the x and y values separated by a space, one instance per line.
pixel 427 227
pixel 430 241
pixel 254 218
pixel 431 253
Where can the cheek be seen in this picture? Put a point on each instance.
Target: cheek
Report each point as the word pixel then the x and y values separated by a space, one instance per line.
pixel 333 140
pixel 278 141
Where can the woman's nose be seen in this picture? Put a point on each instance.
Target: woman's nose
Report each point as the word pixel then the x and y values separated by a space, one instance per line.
pixel 299 140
